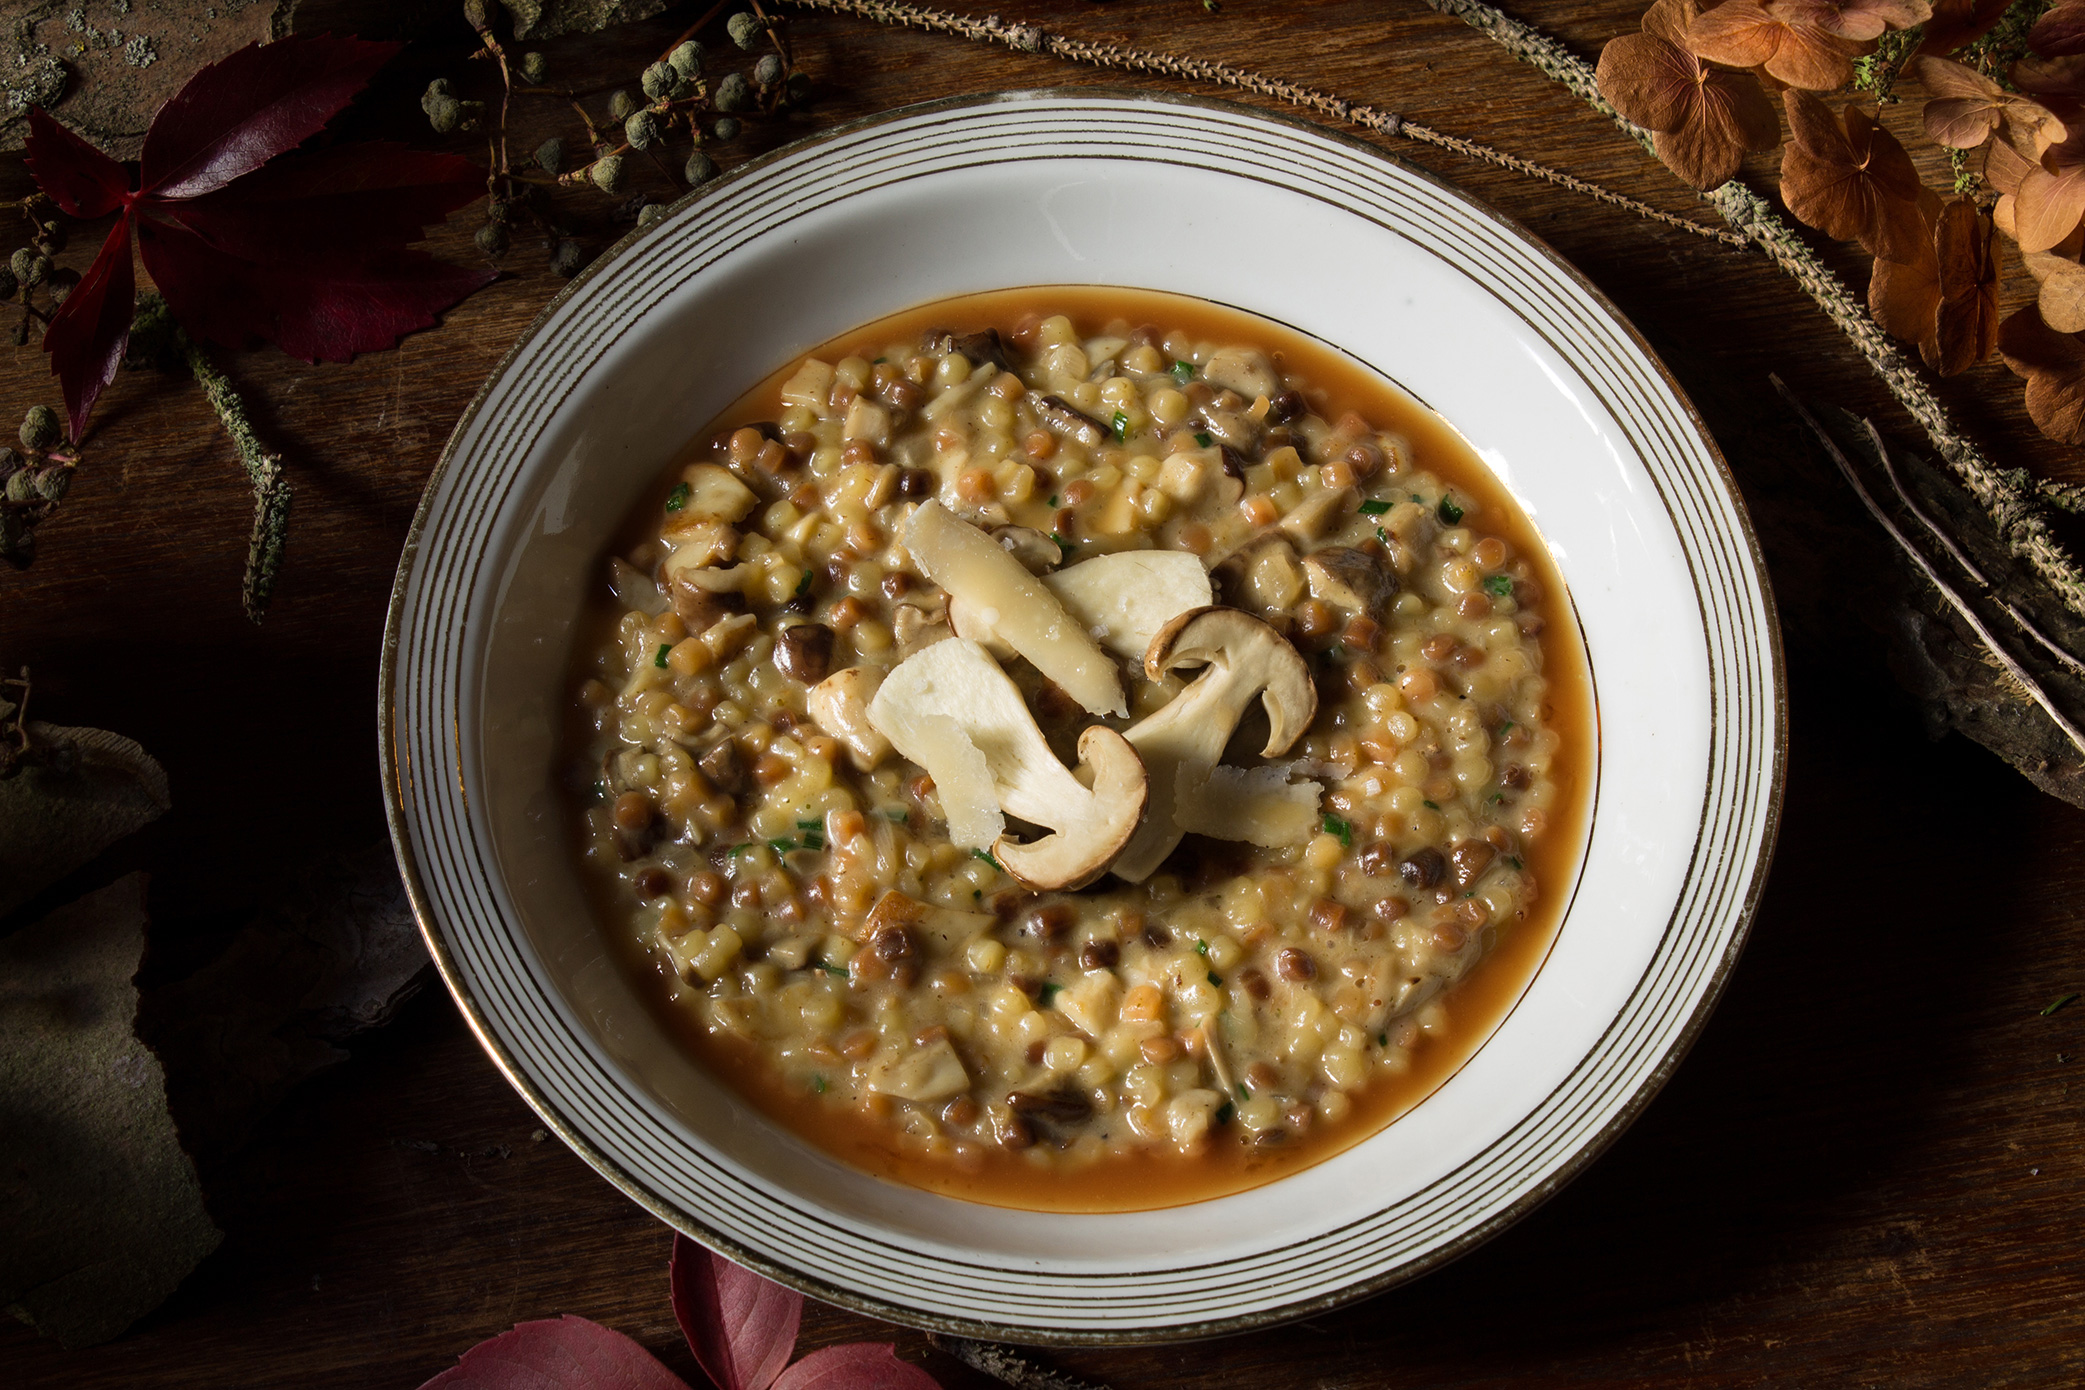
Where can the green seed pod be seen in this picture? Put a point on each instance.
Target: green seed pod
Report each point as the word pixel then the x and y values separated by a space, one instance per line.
pixel 745 29
pixel 641 130
pixel 437 91
pixel 687 59
pixel 51 482
pixel 733 93
pixel 534 68
pixel 567 259
pixel 659 81
pixel 444 114
pixel 475 12
pixel 621 105
pixel 607 173
pixel 768 71
pixel 29 266
pixel 727 128
pixel 650 213
pixel 700 168
pixel 492 239
pixel 501 210
pixel 21 486
pixel 40 429
pixel 550 156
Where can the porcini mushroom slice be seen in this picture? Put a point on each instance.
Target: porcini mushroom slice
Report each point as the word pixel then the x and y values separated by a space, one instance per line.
pixel 1243 660
pixel 915 709
pixel 954 687
pixel 840 706
pixel 1121 599
pixel 1010 601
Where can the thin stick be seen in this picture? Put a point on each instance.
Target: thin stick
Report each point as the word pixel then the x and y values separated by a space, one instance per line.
pixel 1004 1364
pixel 1947 591
pixel 2008 498
pixel 1029 38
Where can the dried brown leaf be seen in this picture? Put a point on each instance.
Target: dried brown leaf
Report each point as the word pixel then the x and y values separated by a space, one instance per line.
pixel 55 815
pixel 2061 32
pixel 2062 300
pixel 1790 44
pixel 2051 199
pixel 1852 181
pixel 2053 364
pixel 1702 119
pixel 1859 20
pixel 1966 107
pixel 1966 326
pixel 1904 297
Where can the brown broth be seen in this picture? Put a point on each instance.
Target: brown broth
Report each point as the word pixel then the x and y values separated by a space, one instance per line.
pixel 1036 1179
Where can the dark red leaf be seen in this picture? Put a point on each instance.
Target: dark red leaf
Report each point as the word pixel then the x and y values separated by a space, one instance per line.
pixel 322 310
pixel 316 203
pixel 565 1353
pixel 241 111
pixel 80 179
pixel 92 327
pixel 741 1327
pixel 856 1366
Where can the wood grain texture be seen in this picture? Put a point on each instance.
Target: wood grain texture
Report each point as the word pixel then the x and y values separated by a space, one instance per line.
pixel 1867 1173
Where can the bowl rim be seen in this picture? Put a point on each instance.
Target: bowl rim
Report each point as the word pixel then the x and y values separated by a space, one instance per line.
pixel 1646 1088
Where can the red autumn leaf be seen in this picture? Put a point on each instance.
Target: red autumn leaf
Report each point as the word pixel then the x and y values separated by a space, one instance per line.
pixel 741 1327
pixel 856 1366
pixel 565 1353
pixel 248 237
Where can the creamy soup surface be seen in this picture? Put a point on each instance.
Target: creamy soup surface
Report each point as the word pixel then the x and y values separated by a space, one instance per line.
pixel 1080 749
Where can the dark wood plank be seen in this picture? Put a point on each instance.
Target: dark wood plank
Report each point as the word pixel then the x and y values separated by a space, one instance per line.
pixel 1866 1174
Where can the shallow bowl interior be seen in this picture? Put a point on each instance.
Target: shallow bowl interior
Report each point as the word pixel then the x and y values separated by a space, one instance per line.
pixel 1198 198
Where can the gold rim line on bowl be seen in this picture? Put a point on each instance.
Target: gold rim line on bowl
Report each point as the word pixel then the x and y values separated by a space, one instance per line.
pixel 394 775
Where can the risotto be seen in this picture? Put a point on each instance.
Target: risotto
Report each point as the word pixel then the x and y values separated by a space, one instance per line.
pixel 1074 748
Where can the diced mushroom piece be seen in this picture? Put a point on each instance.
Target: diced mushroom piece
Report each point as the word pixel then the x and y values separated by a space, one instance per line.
pixel 945 931
pixel 1037 553
pixel 980 348
pixel 929 1073
pixel 725 581
pixel 1243 660
pixel 840 706
pixel 805 652
pixel 1244 370
pixel 1015 604
pixel 867 421
pixel 954 693
pixel 916 629
pixel 724 767
pixel 1070 421
pixel 811 386
pixel 1350 578
pixel 1232 428
pixel 1310 518
pixel 714 493
pixel 1259 804
pixel 633 588
pixel 1125 598
pixel 698 544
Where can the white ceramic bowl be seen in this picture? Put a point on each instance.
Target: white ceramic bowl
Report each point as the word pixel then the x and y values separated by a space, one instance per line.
pixel 1468 313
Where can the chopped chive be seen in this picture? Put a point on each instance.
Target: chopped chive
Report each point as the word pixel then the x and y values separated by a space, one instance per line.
pixel 1049 991
pixel 1064 545
pixel 829 968
pixel 814 840
pixel 1374 508
pixel 1243 1094
pixel 818 1085
pixel 1450 513
pixel 1514 860
pixel 1183 372
pixel 1499 585
pixel 803 586
pixel 1382 535
pixel 2058 1002
pixel 736 850
pixel 1431 805
pixel 660 660
pixel 1201 947
pixel 1495 798
pixel 977 895
pixel 1224 1113
pixel 1382 1040
pixel 1203 439
pixel 1335 826
pixel 1119 426
pixel 810 824
pixel 1053 499
pixel 980 854
pixel 677 498
pixel 878 360
pixel 781 846
pixel 1505 726
pixel 1216 979
pixel 896 815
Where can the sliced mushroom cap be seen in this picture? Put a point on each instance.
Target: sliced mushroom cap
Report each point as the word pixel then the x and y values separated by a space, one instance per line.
pixel 1037 553
pixel 954 693
pixel 840 706
pixel 1244 660
pixel 1086 838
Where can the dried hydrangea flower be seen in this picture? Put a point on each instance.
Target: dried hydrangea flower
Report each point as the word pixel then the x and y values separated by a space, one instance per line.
pixel 1702 119
pixel 1850 179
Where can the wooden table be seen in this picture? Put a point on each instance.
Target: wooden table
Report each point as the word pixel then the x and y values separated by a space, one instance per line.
pixel 1866 1174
